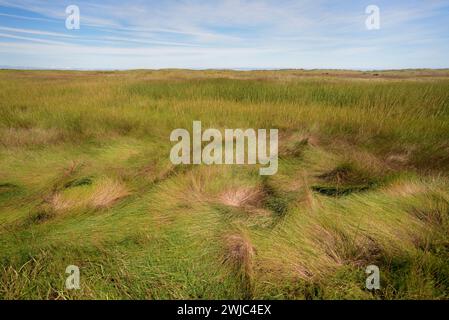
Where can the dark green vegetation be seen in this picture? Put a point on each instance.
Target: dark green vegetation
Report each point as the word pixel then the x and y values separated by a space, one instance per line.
pixel 85 179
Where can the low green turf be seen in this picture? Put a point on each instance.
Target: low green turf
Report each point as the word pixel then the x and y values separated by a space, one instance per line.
pixel 85 179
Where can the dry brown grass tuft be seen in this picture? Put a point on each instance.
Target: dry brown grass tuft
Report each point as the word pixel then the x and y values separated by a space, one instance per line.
pixel 239 251
pixel 398 160
pixel 59 203
pixel 240 256
pixel 108 193
pixel 405 189
pixel 242 197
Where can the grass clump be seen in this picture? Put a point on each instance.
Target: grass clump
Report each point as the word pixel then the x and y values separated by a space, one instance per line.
pixel 344 180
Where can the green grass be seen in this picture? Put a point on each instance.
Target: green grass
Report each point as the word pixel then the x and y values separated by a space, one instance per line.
pixel 85 179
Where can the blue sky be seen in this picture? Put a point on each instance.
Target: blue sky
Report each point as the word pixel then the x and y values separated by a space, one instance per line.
pixel 201 34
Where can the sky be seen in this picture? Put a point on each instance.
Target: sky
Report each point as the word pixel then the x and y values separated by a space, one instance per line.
pixel 225 34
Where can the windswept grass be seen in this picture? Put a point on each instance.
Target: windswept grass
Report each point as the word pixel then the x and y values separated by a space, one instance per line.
pixel 85 179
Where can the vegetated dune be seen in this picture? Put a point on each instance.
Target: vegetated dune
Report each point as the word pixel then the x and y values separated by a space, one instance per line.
pixel 86 180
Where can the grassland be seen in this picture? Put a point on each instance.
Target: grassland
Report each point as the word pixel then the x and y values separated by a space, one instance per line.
pixel 85 179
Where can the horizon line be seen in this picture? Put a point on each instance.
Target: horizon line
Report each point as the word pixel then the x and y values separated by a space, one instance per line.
pixel 20 68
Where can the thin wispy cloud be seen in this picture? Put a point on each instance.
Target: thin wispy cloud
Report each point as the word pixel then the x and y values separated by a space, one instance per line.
pixel 11 36
pixel 38 32
pixel 224 34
